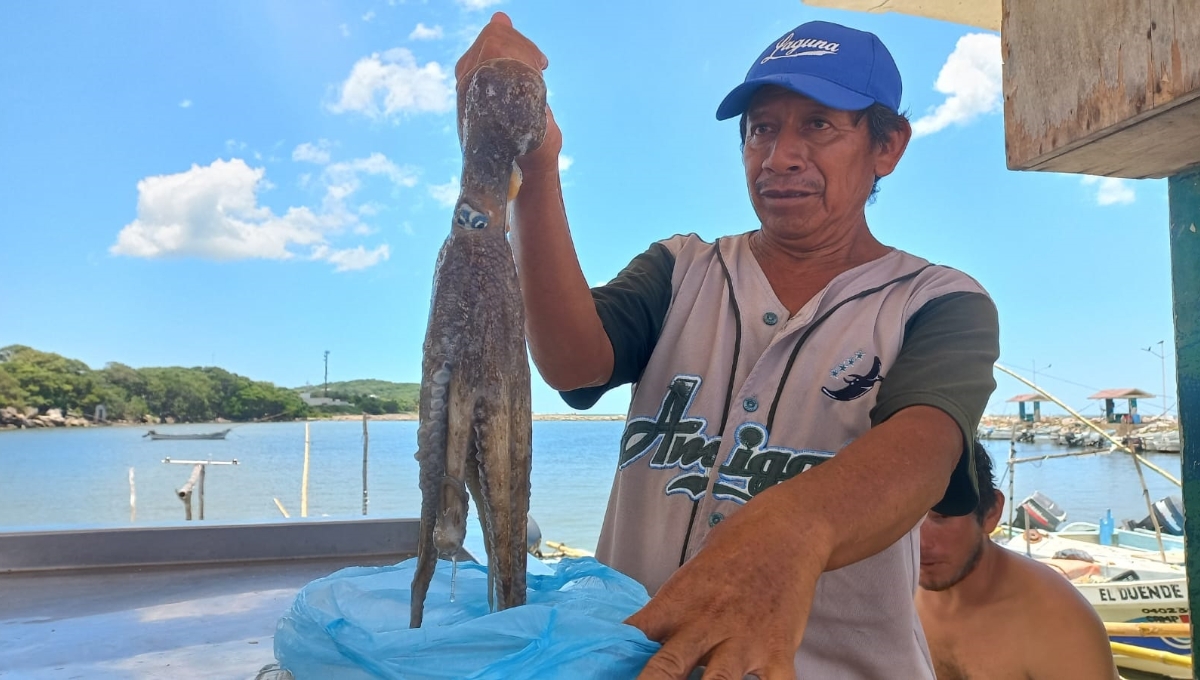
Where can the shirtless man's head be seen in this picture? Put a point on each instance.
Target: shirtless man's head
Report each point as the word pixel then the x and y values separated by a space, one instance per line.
pixel 951 546
pixel 969 583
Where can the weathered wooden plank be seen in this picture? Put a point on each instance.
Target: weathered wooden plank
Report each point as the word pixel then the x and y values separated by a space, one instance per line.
pixel 981 13
pixel 1171 140
pixel 1175 48
pixel 1104 88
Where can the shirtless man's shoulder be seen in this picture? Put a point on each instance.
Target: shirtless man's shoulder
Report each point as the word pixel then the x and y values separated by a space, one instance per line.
pixel 1032 625
pixel 1056 617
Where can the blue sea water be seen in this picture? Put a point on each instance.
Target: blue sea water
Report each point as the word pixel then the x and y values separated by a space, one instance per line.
pixel 81 476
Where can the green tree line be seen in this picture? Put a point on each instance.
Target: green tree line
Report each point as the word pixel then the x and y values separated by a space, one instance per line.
pixel 43 380
pixel 371 396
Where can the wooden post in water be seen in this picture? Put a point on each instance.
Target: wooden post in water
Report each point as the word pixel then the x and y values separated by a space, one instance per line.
pixel 304 476
pixel 185 492
pixel 199 470
pixel 202 471
pixel 366 437
pixel 132 498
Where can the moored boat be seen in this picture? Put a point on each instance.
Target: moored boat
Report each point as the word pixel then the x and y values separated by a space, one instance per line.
pixel 208 436
pixel 1125 582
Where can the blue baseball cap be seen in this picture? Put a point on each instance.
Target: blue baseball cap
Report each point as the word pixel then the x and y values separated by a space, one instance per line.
pixel 840 67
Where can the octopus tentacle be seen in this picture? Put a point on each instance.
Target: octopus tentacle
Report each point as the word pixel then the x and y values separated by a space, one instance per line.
pixel 431 454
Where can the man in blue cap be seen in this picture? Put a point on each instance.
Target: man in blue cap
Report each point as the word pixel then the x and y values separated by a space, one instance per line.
pixel 803 394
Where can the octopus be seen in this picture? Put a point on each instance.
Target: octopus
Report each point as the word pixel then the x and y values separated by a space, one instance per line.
pixel 475 432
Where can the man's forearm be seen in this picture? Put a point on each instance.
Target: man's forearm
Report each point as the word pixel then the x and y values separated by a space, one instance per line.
pixel 875 490
pixel 566 337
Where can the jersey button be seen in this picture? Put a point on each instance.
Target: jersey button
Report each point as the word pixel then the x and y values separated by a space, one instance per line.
pixel 750 404
pixel 715 519
pixel 770 318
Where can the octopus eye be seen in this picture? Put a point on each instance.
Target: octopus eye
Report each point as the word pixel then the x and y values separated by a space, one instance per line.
pixel 479 221
pixel 461 217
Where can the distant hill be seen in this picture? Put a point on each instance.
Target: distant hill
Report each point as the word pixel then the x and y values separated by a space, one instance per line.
pixel 405 395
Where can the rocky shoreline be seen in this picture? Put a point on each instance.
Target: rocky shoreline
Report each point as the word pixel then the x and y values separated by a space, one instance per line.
pixel 12 418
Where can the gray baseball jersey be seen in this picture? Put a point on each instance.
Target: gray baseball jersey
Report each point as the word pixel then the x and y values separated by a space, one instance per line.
pixel 731 396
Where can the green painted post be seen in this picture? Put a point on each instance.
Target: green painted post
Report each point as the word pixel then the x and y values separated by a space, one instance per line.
pixel 1184 193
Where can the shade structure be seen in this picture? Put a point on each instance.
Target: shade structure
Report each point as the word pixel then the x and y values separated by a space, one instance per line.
pixel 979 13
pixel 1123 393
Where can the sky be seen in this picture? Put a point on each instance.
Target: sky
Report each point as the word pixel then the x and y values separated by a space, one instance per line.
pixel 251 184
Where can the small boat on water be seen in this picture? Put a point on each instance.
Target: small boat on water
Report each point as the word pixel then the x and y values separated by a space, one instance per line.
pixel 209 436
pixel 1153 595
pixel 1162 442
pixel 1124 572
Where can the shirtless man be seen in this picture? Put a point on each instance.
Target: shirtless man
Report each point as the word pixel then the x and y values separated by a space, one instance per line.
pixel 992 614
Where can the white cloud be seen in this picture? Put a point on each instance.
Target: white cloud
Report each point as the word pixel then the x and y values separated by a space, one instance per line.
pixel 1111 190
pixel 565 162
pixel 478 4
pixel 972 80
pixel 423 32
pixel 345 30
pixel 376 164
pixel 234 145
pixel 212 212
pixel 343 179
pixel 385 85
pixel 445 194
pixel 185 104
pixel 312 153
pixel 369 16
pixel 351 259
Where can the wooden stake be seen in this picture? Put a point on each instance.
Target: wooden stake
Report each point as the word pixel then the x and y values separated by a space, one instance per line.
pixel 281 509
pixel 132 498
pixel 202 471
pixel 185 492
pixel 1173 630
pixel 366 437
pixel 304 480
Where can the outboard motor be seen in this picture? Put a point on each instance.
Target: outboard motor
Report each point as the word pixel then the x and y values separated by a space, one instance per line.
pixel 1039 512
pixel 1169 512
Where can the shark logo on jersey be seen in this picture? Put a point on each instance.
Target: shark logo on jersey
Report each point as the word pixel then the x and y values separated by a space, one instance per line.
pixel 672 440
pixel 856 385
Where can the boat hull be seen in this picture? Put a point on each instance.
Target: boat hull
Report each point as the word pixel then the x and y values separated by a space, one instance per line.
pixel 210 436
pixel 1124 585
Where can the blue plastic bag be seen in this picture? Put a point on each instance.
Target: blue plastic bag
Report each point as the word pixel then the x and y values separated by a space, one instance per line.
pixel 353 624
